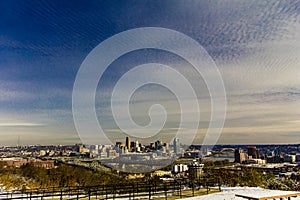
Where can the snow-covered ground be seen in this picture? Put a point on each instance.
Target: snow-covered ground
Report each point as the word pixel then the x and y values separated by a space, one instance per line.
pixel 231 192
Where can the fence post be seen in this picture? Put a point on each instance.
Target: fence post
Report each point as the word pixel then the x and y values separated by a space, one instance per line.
pixel 180 189
pixel 166 194
pixel 193 188
pixel 97 193
pixel 114 191
pixel 206 188
pixel 149 191
pixel 129 192
pixel 133 191
pixel 61 194
pixel 105 192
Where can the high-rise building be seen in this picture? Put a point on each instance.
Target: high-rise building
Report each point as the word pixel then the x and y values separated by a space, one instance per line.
pixel 118 144
pixel 176 145
pixel 158 145
pixel 137 146
pixel 152 146
pixel 128 144
pixel 132 144
pixel 166 145
pixel 253 152
pixel 240 156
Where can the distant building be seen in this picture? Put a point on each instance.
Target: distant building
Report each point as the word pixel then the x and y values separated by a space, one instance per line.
pixel 176 145
pixel 118 144
pixel 83 149
pixel 128 143
pixel 192 154
pixel 178 168
pixel 18 162
pixel 240 156
pixel 132 145
pixel 92 147
pixel 48 164
pixel 158 145
pixel 256 161
pixel 274 159
pixel 289 158
pixel 253 152
pixel 112 153
pixel 195 170
pixel 166 145
pixel 43 153
pixel 161 173
pixel 152 146
pixel 138 156
pixel 52 153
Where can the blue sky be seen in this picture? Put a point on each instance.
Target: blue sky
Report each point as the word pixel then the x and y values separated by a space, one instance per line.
pixel 255 44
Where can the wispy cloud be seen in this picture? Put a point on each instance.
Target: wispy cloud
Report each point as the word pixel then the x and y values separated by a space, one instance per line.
pixel 19 124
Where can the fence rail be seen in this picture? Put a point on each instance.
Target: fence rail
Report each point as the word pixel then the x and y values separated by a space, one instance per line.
pixel 163 190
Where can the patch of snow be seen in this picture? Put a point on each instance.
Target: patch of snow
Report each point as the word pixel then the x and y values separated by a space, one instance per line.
pixel 229 193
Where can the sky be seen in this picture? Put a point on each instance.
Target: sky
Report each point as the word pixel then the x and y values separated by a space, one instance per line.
pixel 255 45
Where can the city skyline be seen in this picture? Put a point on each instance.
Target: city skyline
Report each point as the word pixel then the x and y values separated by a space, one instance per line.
pixel 255 45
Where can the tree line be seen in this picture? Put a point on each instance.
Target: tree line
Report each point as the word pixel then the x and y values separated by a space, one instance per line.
pixel 30 176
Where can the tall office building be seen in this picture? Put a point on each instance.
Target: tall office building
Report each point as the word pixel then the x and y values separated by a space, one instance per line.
pixel 166 145
pixel 176 145
pixel 137 146
pixel 132 144
pixel 128 144
pixel 253 152
pixel 239 156
pixel 158 145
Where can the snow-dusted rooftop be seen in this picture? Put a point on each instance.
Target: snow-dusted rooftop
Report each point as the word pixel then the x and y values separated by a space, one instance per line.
pixel 243 193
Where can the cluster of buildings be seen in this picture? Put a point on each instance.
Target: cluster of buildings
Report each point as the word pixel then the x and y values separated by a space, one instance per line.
pixel 253 156
pixel 123 155
pixel 129 148
pixel 193 170
pixel 133 152
pixel 18 162
pixel 37 151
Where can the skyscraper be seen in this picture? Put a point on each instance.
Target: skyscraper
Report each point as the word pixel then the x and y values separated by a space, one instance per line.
pixel 253 152
pixel 176 145
pixel 239 156
pixel 128 144
pixel 158 145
